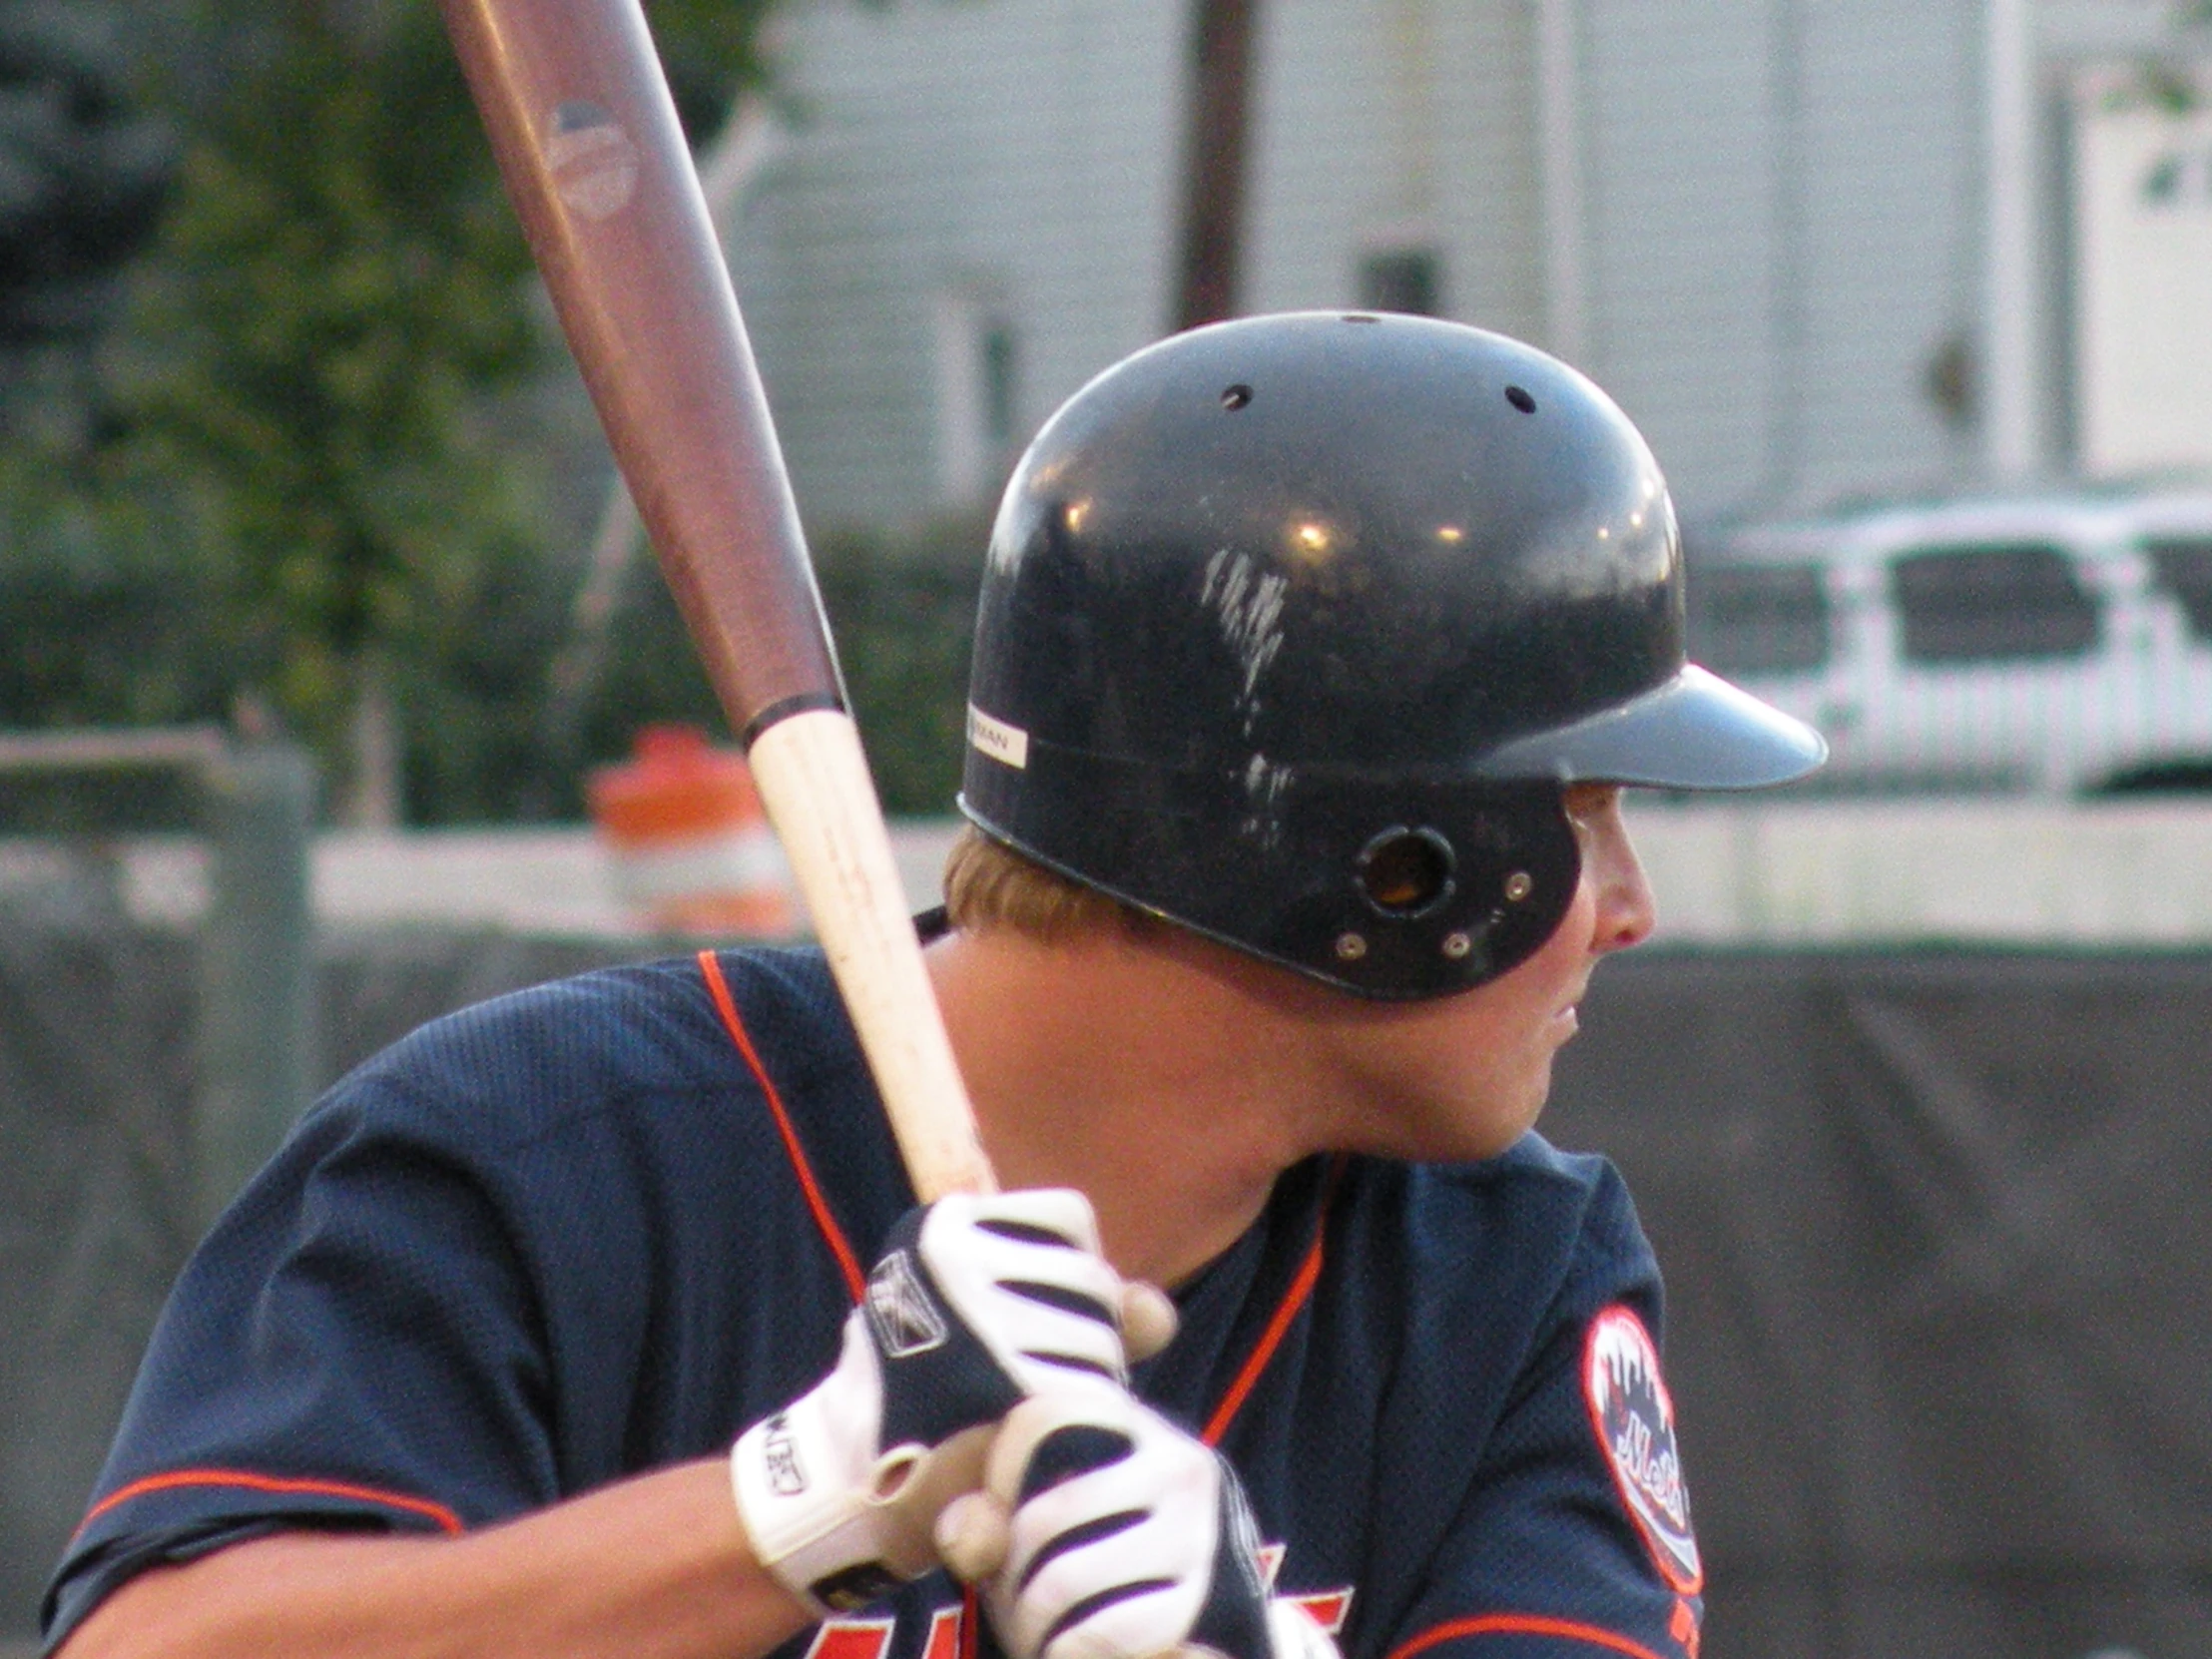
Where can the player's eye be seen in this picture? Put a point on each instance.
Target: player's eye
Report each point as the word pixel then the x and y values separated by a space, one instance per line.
pixel 1589 803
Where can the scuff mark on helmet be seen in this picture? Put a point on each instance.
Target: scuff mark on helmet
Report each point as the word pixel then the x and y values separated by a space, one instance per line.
pixel 1265 784
pixel 1249 606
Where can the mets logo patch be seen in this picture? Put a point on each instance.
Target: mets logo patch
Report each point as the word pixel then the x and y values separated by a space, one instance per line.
pixel 1633 1417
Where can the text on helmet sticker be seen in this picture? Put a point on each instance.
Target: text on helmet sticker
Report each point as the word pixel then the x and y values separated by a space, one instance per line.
pixel 1633 1417
pixel 996 739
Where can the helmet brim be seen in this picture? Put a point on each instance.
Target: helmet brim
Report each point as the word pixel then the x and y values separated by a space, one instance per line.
pixel 1695 732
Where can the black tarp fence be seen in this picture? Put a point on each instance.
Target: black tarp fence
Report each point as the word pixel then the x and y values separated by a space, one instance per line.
pixel 1935 1226
pixel 1936 1240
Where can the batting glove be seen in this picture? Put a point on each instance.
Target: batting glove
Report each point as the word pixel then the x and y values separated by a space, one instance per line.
pixel 1106 1532
pixel 976 1304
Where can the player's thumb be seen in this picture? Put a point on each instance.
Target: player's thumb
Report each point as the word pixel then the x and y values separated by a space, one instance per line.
pixel 1148 1319
pixel 972 1536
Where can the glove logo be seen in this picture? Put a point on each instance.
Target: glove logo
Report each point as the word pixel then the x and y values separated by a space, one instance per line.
pixel 900 1311
pixel 1633 1417
pixel 780 1453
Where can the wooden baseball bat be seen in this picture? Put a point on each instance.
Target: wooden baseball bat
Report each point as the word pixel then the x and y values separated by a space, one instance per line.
pixel 594 159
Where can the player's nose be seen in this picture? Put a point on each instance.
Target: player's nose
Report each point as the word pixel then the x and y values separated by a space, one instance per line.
pixel 1626 909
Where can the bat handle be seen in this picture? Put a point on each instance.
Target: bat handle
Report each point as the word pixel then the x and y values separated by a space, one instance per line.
pixel 814 786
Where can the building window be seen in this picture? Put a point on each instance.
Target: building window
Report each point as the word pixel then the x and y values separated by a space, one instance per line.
pixel 1405 280
pixel 977 396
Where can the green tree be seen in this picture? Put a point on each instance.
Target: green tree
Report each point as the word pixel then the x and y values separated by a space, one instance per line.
pixel 337 314
pixel 319 423
pixel 333 292
pixel 85 168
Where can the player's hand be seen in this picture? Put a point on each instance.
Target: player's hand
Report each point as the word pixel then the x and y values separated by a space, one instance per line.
pixel 1106 1532
pixel 974 1305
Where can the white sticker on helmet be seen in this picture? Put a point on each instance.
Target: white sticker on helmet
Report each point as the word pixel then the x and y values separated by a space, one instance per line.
pixel 1003 743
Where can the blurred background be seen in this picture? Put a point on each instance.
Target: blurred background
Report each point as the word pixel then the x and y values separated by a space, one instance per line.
pixel 337 688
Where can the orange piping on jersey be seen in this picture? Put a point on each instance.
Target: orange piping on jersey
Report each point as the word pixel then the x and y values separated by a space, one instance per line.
pixel 1302 1286
pixel 1683 1627
pixel 1522 1624
pixel 446 1520
pixel 833 1235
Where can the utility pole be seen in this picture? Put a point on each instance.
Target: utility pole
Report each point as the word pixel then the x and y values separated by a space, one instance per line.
pixel 1222 33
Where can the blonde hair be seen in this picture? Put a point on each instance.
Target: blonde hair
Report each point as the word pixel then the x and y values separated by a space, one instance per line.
pixel 989 884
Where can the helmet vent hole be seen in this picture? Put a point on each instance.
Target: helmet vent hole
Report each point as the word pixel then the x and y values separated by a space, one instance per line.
pixel 1519 399
pixel 1406 872
pixel 1235 397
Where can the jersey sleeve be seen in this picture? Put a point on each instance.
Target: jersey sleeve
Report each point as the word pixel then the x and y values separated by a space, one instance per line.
pixel 354 1346
pixel 517 1255
pixel 1575 1537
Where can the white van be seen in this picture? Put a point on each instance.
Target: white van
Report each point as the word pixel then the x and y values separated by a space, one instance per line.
pixel 2052 645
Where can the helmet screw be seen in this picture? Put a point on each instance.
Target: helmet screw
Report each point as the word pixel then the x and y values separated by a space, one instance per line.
pixel 1351 947
pixel 1458 946
pixel 1519 886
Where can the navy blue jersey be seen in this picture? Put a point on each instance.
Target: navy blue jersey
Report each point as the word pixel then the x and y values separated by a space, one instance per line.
pixel 600 1225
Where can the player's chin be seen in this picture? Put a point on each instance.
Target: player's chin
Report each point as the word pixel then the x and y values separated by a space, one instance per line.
pixel 1480 1123
pixel 1520 1121
pixel 1525 1098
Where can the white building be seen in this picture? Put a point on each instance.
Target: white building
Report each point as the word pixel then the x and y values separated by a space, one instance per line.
pixel 1813 247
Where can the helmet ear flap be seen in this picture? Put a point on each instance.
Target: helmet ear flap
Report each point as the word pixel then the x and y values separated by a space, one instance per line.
pixel 1390 890
pixel 1525 863
pixel 1460 885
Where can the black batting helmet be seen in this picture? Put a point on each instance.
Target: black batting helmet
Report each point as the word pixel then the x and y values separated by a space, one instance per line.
pixel 1294 628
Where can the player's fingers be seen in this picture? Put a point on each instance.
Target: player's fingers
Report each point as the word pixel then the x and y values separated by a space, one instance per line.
pixel 1148 1319
pixel 1134 1623
pixel 1007 1474
pixel 1063 1340
pixel 1029 1259
pixel 1039 1215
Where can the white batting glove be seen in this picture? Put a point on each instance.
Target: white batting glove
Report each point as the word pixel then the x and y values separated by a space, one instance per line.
pixel 976 1304
pixel 1106 1532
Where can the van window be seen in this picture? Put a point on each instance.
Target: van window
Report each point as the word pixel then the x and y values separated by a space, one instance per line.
pixel 1757 619
pixel 1976 604
pixel 2184 567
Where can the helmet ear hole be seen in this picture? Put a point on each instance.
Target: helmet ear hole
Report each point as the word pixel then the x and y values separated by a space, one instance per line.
pixel 1406 874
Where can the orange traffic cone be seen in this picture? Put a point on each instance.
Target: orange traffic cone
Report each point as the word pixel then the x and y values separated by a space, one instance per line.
pixel 689 845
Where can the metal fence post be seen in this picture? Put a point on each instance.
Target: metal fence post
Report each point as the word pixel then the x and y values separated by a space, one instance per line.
pixel 260 1048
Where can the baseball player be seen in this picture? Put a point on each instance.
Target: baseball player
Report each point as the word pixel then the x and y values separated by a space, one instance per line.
pixel 1313 656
